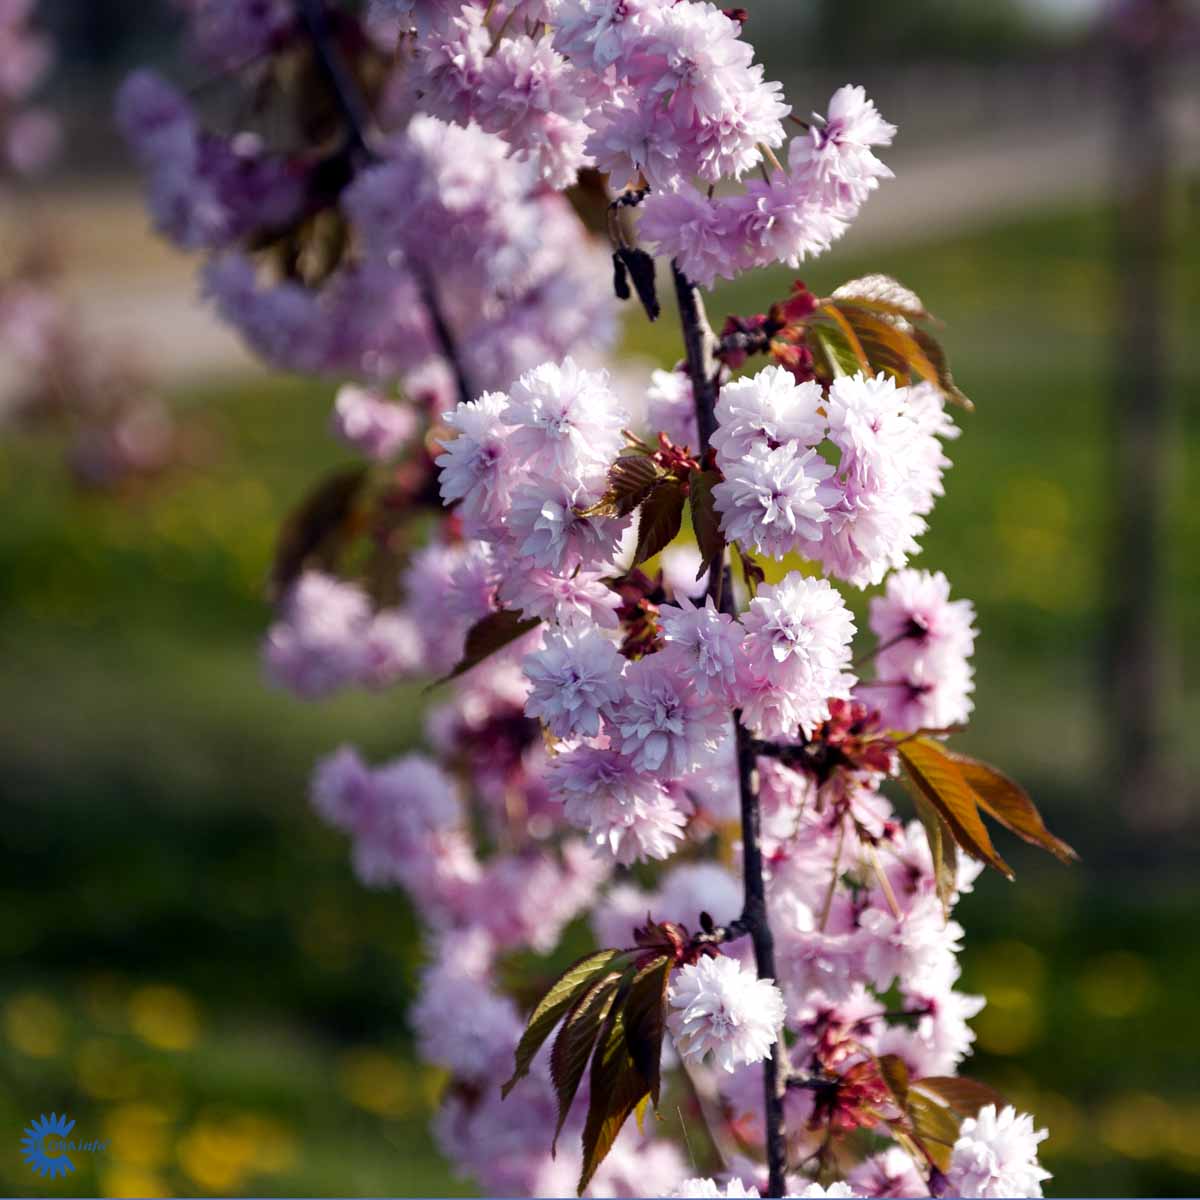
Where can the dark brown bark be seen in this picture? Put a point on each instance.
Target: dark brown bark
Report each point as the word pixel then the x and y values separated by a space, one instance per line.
pixel 704 372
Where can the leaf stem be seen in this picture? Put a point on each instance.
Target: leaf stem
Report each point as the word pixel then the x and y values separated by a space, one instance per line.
pixel 704 370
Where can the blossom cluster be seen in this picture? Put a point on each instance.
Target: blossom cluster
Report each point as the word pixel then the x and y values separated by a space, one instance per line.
pixel 923 674
pixel 611 699
pixel 661 92
pixel 569 728
pixel 434 235
pixel 859 515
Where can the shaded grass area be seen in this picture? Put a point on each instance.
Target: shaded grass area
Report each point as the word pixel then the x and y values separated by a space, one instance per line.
pixel 188 967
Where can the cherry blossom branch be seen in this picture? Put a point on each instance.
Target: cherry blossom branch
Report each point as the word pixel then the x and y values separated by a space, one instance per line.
pixel 754 914
pixel 345 93
pixel 704 371
pixel 790 754
pixel 445 337
pixel 699 345
pixel 354 113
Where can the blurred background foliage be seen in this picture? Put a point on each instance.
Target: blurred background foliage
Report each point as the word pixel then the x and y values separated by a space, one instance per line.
pixel 187 966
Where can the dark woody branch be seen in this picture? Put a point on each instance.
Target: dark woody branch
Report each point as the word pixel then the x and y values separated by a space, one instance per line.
pixel 704 370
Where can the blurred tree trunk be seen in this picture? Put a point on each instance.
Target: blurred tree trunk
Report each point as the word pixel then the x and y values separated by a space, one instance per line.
pixel 1140 660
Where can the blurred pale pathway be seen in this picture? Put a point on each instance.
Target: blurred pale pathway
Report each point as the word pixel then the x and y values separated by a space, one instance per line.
pixel 139 292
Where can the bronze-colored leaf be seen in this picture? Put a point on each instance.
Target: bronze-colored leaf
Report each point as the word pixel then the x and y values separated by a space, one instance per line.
pixel 316 531
pixel 617 1088
pixel 752 572
pixel 894 1072
pixel 941 848
pixel 630 480
pixel 934 1126
pixel 889 321
pixel 1011 805
pixel 930 767
pixel 965 1096
pixel 660 521
pixel 900 344
pixel 706 522
pixel 944 380
pixel 553 1005
pixel 645 1013
pixel 882 294
pixel 489 634
pixel 883 358
pixel 911 1148
pixel 576 1040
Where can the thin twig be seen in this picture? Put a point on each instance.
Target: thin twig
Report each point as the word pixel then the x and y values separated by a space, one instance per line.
pixel 354 112
pixel 837 864
pixel 771 156
pixel 884 882
pixel 865 658
pixel 345 92
pixel 722 1154
pixel 445 337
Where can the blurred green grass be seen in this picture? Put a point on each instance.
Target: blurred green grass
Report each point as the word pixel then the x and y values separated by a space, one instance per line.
pixel 189 967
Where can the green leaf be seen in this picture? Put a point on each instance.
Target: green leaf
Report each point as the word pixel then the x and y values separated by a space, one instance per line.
pixel 489 634
pixel 317 529
pixel 645 1013
pixel 965 1096
pixel 550 1008
pixel 662 516
pixel 939 779
pixel 1011 805
pixel 575 1041
pixel 832 350
pixel 847 330
pixel 630 480
pixel 617 1088
pixel 706 523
